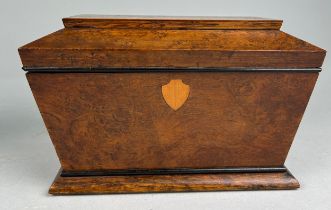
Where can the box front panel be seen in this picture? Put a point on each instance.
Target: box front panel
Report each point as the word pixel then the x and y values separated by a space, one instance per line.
pixel 104 121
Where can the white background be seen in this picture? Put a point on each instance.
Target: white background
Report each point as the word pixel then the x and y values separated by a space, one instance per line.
pixel 28 162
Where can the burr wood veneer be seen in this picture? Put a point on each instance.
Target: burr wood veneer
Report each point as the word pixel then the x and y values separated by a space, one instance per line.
pixel 169 104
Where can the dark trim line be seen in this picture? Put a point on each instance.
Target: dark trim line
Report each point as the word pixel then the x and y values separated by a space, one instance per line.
pixel 149 70
pixel 171 171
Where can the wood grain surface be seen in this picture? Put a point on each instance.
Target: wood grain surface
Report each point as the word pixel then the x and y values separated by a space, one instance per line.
pixel 136 46
pixel 238 105
pixel 170 22
pixel 100 121
pixel 173 183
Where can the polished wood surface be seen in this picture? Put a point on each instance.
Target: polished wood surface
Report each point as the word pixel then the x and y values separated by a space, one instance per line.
pixel 171 104
pixel 100 121
pixel 141 47
pixel 175 93
pixel 172 183
pixel 170 22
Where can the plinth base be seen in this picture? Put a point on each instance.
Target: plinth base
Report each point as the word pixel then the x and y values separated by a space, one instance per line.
pixel 173 183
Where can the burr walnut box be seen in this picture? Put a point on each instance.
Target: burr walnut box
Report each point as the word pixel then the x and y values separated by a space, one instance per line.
pixel 170 104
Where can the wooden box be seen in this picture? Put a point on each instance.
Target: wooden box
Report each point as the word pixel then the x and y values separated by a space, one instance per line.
pixel 169 104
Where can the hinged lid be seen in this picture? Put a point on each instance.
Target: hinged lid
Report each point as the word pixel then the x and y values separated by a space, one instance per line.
pixel 102 42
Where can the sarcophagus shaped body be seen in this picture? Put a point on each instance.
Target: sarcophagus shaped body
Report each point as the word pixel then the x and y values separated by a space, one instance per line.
pixel 162 104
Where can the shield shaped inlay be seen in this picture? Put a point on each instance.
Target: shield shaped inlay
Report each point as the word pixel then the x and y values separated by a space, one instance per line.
pixel 175 93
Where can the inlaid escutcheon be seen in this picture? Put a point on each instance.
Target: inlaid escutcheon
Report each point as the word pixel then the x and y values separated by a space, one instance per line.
pixel 175 93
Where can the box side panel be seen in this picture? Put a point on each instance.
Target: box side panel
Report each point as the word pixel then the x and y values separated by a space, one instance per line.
pixel 105 121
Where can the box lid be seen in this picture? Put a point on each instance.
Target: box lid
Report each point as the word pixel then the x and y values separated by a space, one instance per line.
pixel 121 42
